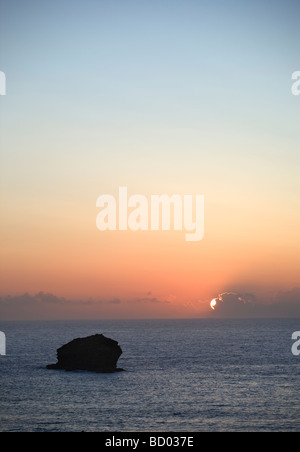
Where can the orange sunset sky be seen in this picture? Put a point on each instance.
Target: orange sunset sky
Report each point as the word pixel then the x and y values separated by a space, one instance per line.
pixel 162 98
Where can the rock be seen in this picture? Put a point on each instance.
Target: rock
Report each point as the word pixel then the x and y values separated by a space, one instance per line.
pixel 94 353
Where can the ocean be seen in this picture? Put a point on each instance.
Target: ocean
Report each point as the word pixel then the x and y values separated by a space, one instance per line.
pixel 181 376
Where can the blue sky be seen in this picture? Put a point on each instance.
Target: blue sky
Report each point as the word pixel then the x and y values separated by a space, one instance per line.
pixel 179 81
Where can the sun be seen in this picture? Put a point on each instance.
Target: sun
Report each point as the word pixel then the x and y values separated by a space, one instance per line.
pixel 213 304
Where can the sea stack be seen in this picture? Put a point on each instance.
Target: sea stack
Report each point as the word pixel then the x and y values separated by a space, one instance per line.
pixel 94 353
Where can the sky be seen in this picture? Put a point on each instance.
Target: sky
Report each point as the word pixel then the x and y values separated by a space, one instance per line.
pixel 163 97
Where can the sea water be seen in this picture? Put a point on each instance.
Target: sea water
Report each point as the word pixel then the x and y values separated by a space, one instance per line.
pixel 181 376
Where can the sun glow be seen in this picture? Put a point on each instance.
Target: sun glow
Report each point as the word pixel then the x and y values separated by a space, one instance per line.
pixel 213 304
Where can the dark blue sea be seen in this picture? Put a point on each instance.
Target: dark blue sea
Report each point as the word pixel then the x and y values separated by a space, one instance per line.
pixel 181 375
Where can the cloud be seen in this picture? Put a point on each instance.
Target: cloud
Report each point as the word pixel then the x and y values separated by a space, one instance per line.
pixel 290 296
pixel 114 301
pixel 27 300
pixel 150 300
pixel 238 305
pixel 230 304
pixel 42 297
pixel 233 304
pixel 48 306
pixel 286 303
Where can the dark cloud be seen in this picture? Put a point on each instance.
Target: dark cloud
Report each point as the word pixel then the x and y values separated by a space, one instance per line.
pixel 150 300
pixel 229 304
pixel 234 304
pixel 46 305
pixel 286 303
pixel 42 297
pixel 114 301
pixel 28 300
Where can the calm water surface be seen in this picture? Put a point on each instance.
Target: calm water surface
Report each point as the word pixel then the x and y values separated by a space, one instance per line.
pixel 181 375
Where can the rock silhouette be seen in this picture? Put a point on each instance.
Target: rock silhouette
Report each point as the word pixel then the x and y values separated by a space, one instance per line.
pixel 93 353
